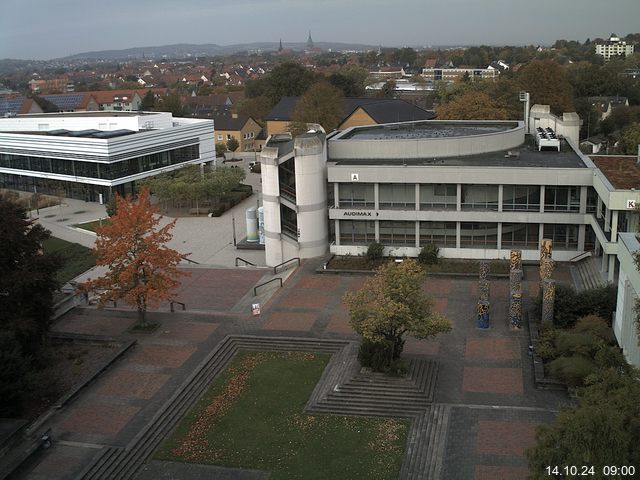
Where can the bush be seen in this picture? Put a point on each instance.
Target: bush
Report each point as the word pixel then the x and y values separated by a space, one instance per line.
pixel 594 325
pixel 375 251
pixel 429 254
pixel 571 370
pixel 571 343
pixel 570 305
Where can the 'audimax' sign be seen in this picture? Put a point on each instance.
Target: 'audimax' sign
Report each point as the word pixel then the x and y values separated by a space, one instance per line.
pixel 359 213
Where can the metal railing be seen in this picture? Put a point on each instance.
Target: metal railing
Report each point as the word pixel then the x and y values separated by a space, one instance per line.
pixel 295 259
pixel 580 256
pixel 189 260
pixel 255 289
pixel 171 307
pixel 246 262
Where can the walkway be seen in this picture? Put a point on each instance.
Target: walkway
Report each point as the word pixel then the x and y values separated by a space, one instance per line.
pixel 484 399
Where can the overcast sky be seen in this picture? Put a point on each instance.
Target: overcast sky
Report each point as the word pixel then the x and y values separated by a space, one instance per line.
pixel 45 29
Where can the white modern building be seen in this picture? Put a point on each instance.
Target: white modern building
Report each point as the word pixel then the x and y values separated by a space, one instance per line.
pixel 90 155
pixel 613 47
pixel 475 189
pixel 624 324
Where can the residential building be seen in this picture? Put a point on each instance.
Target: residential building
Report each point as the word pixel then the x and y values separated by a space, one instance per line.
pixel 241 127
pixel 91 155
pixel 11 106
pixel 357 111
pixel 613 47
pixel 606 105
pixel 74 102
pixel 454 74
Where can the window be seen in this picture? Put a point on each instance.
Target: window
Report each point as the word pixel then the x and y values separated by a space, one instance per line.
pixel 401 196
pixel 564 237
pixel 439 196
pixel 480 197
pixel 357 232
pixel 229 136
pixel 356 195
pixel 562 199
pixel 478 235
pixel 220 136
pixel 442 234
pixel 520 235
pixel 398 233
pixel 521 198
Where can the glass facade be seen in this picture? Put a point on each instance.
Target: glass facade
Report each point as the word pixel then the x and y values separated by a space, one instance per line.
pixel 565 237
pixel 398 233
pixel 356 195
pixel 104 171
pixel 353 232
pixel 521 198
pixel 442 234
pixel 480 197
pixel 399 196
pixel 561 199
pixel 523 235
pixel 438 196
pixel 478 235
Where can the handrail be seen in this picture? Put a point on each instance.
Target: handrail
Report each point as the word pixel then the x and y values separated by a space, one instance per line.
pixel 184 257
pixel 285 262
pixel 580 256
pixel 255 289
pixel 247 262
pixel 184 307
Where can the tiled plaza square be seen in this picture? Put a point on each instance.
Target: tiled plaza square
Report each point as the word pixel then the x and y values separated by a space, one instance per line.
pixel 162 355
pixel 101 419
pixel 504 438
pixel 132 384
pixel 494 348
pixel 506 381
pixel 298 321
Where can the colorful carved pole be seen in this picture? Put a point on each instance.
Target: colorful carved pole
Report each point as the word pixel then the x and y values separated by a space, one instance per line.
pixel 483 314
pixel 515 311
pixel 548 299
pixel 516 260
pixel 483 296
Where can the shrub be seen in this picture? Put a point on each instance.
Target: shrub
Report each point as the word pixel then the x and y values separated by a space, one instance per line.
pixel 571 370
pixel 375 251
pixel 377 355
pixel 429 254
pixel 571 343
pixel 570 305
pixel 594 325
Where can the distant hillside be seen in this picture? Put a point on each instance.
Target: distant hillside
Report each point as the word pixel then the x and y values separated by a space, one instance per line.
pixel 209 49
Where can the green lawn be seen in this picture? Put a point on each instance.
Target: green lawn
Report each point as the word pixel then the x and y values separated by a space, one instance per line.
pixel 91 226
pixel 252 417
pixel 76 258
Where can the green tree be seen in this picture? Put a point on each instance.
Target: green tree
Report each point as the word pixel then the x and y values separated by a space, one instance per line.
pixel 548 84
pixel 257 108
pixel 602 430
pixel 322 104
pixel 473 105
pixel 289 79
pixel 148 102
pixel 392 304
pixel 27 278
pixel 388 89
pixel 233 144
pixel 631 139
pixel 171 103
pixel 220 149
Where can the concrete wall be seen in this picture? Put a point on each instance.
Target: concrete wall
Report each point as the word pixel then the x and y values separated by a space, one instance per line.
pixel 568 126
pixel 624 325
pixel 395 148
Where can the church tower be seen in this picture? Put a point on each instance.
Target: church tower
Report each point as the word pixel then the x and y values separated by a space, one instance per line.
pixel 309 41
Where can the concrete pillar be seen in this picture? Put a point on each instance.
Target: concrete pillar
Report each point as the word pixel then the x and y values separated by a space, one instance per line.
pixel 271 204
pixel 336 195
pixel 376 196
pixel 614 226
pixel 542 190
pixel 417 197
pixel 499 234
pixel 459 198
pixel 607 220
pixel 583 200
pixel 582 233
pixel 599 208
pixel 417 243
pixel 337 230
pixel 612 269
pixel 500 200
pixel 603 265
pixel 377 230
pixel 458 233
pixel 311 195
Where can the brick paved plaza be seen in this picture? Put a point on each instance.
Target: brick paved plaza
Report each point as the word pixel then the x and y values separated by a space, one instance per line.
pixel 485 377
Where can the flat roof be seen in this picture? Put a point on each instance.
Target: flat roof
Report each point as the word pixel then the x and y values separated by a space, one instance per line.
pixel 429 129
pixel 100 113
pixel 523 156
pixel 623 172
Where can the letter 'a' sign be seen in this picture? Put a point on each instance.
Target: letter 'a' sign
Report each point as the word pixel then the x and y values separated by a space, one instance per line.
pixel 355 177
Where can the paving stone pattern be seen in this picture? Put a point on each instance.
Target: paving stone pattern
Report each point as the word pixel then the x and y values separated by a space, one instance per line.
pixel 475 416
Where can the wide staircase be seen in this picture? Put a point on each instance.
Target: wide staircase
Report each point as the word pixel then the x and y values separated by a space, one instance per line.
pixel 587 275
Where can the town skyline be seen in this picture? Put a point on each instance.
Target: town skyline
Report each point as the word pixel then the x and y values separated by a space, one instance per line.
pixel 38 31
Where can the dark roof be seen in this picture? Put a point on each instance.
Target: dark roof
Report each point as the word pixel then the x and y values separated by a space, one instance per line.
pixel 228 122
pixel 622 172
pixel 11 105
pixel 382 110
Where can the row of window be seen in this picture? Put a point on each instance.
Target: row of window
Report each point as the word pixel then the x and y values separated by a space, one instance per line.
pixel 473 197
pixel 107 171
pixel 444 234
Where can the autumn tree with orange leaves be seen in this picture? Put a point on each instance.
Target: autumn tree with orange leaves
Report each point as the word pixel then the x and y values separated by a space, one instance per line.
pixel 142 270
